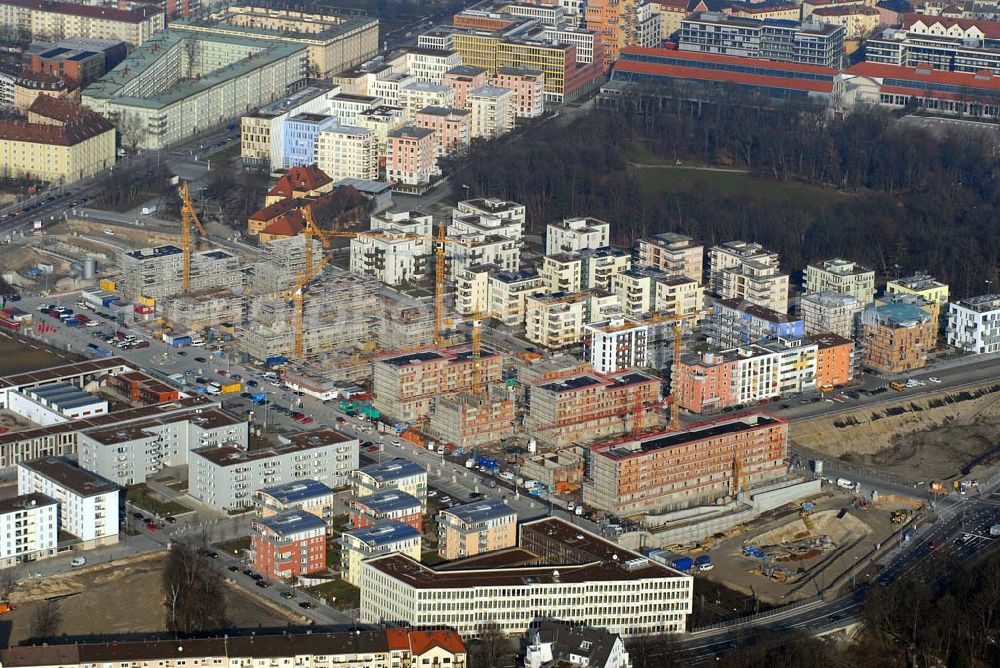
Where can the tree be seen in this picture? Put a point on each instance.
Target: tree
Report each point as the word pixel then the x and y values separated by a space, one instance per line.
pixel 194 595
pixel 490 648
pixel 132 130
pixel 8 578
pixel 46 621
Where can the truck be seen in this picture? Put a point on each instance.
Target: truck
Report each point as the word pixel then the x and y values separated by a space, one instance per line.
pixel 682 564
pixel 704 563
pixel 845 483
pixel 488 463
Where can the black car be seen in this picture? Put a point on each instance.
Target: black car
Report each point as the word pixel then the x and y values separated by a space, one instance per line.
pixel 200 380
pixel 306 605
pixel 287 594
pixel 474 496
pixel 248 572
pixel 263 584
pixel 245 395
pixel 182 353
pixel 169 519
pixel 200 359
pixel 257 576
pixel 139 516
pixel 233 569
pixel 236 376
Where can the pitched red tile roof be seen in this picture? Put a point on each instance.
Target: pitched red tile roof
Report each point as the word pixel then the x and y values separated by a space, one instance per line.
pixel 60 109
pixel 69 134
pixel 272 211
pixel 423 641
pixel 989 29
pixel 397 638
pixel 984 79
pixel 298 179
pixel 287 225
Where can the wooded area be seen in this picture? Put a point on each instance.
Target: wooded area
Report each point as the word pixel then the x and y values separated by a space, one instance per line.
pixel 908 200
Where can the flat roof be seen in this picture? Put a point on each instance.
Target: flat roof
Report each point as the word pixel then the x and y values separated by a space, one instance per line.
pixel 384 533
pixel 481 511
pixel 228 454
pixel 668 439
pixel 758 311
pixel 394 469
pixel 25 502
pixel 284 104
pixel 389 500
pixel 122 433
pixel 342 25
pixel 39 376
pixel 294 521
pixel 297 490
pixel 67 474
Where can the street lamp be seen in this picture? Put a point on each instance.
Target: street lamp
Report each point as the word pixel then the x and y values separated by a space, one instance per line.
pixel 465 187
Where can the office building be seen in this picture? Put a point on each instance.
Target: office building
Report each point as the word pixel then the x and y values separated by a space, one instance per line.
pixel 974 324
pixel 285 546
pixel 88 504
pixel 668 471
pixel 411 156
pixel 386 505
pixel 621 24
pixel 841 276
pixel 895 338
pixel 310 496
pixel 360 545
pixel 60 142
pixel 806 43
pixel 162 97
pixel 944 44
pixel 30 525
pixel 831 312
pixel 673 254
pixel 397 474
pixel 66 20
pixel 747 272
pixel 736 323
pixel 475 528
pixel 528 87
pixel 575 234
pixel 225 476
pixel 492 110
pixel 555 573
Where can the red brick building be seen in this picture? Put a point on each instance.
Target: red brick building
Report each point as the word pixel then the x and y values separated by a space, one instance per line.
pixel 288 545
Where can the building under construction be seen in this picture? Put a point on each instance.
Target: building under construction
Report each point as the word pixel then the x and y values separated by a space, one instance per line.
pixel 470 419
pixel 340 314
pixel 200 310
pixel 407 383
pixel 406 323
pixel 585 407
pixel 281 263
pixel 159 271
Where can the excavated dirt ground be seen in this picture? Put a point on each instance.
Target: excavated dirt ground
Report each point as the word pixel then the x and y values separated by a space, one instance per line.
pixel 824 524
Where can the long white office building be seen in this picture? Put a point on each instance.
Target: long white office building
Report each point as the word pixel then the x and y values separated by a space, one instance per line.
pixel 559 571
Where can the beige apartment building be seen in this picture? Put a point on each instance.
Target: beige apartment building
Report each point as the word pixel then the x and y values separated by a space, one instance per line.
pixel 475 528
pixel 492 110
pixel 600 266
pixel 335 43
pixel 508 295
pixel 53 21
pixel 680 296
pixel 843 276
pixel 924 286
pixel 672 253
pixel 556 321
pixel 347 152
pixel 831 312
pixel 61 142
pixel 562 272
pixel 748 272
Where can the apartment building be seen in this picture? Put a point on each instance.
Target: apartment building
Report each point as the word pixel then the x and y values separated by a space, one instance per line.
pixel 382 120
pixel 748 272
pixel 387 86
pixel 225 476
pixel 407 383
pixel 478 248
pixel 288 545
pixel 945 44
pixel 60 142
pixel 598 266
pixel 576 234
pixel 411 156
pixel 735 323
pixel 859 21
pixel 425 65
pixel 452 128
pixel 386 505
pixel 974 324
pixel 585 407
pixel 528 87
pixel 490 290
pixel 924 286
pixel 472 420
pixel 805 43
pixel 393 257
pixel 557 572
pixel 415 96
pixel 895 338
pixel 76 61
pixel 476 528
pixel 492 110
pixel 621 24
pixel 397 474
pixel 346 107
pixel 30 523
pixel 360 545
pixel 347 152
pixel 301 133
pixel 88 504
pixel 637 289
pixel 556 320
pixel 310 496
pixel 836 360
pixel 673 254
pixel 556 471
pixel 159 271
pixel 679 296
pixel 616 345
pixel 668 471
pixel 463 79
pixel 299 183
pixel 831 312
pixel 65 20
pixel 262 133
pixel 841 276
pixel 562 272
pixel 555 642
pixel 355 648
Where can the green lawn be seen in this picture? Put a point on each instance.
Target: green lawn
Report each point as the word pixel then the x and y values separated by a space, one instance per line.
pixel 235 547
pixel 141 496
pixel 338 594
pixel 669 179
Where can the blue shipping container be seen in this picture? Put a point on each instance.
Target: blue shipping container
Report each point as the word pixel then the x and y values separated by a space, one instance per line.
pixel 277 359
pixel 180 341
pixel 683 564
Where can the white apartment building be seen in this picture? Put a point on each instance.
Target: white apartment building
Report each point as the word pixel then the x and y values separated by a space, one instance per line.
pixel 262 134
pixel 672 253
pixel 841 276
pixel 573 575
pixel 496 208
pixel 381 538
pixel 493 111
pixel 390 256
pixel 616 345
pixel 974 324
pixel 562 272
pixel 411 222
pixel 346 107
pixel 831 312
pixel 601 264
pixel 472 249
pixel 419 94
pixel 29 528
pixel 399 474
pixel 225 476
pixel 509 291
pixel 423 64
pixel 88 504
pixel 382 120
pixel 748 272
pixel 556 321
pixel 347 152
pixel 387 87
pixel 680 296
pixel 576 234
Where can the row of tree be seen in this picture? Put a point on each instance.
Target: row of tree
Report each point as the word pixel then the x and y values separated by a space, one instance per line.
pixel 911 200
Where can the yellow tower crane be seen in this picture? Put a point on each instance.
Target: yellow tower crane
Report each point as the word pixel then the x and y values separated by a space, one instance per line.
pixel 309 271
pixel 477 324
pixel 188 215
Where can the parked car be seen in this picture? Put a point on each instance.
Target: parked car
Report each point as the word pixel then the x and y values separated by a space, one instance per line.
pixel 287 594
pixel 201 360
pixel 233 568
pixel 306 605
pixel 78 561
pixel 263 584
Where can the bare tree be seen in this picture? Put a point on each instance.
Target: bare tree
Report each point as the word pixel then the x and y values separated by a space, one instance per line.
pixel 8 583
pixel 490 648
pixel 193 589
pixel 47 620
pixel 132 130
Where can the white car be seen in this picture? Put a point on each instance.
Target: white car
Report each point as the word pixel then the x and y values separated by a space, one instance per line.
pixel 77 562
pixel 934 379
pixel 507 475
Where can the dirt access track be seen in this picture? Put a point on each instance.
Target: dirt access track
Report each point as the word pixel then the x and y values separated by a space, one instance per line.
pixel 125 596
pixel 931 437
